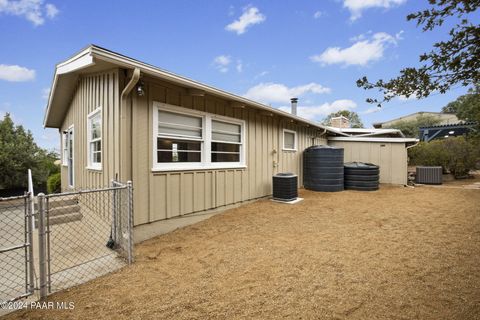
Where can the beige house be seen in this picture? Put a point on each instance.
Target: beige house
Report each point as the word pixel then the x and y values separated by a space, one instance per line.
pixel 186 146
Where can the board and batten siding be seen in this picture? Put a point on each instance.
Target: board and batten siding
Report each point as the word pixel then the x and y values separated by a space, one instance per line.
pixel 391 157
pixel 92 91
pixel 163 195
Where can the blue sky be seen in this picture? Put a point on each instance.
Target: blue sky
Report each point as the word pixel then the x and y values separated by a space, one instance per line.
pixel 265 50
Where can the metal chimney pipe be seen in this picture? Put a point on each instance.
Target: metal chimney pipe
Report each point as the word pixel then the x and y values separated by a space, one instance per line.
pixel 294 106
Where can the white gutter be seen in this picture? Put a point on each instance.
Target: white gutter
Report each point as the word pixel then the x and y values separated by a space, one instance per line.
pixel 413 145
pixel 373 139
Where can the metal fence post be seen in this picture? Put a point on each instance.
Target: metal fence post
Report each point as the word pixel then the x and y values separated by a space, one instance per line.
pixel 30 228
pixel 42 245
pixel 114 212
pixel 130 221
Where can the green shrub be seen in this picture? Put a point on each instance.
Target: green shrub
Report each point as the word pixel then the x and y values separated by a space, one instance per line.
pixel 54 183
pixel 463 155
pixel 457 155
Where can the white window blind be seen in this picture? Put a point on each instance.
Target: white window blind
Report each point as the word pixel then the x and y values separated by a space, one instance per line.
pixel 179 137
pixel 187 139
pixel 179 125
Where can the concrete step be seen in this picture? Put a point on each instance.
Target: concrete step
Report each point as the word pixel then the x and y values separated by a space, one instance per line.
pixel 65 210
pixel 64 218
pixel 60 202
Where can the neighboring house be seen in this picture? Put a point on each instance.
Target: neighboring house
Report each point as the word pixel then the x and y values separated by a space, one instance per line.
pixel 186 146
pixel 444 118
pixel 428 134
pixel 370 132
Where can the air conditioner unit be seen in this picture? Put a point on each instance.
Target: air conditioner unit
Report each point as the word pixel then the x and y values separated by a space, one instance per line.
pixel 429 175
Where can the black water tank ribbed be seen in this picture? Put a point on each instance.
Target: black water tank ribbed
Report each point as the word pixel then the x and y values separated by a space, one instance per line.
pixel 323 168
pixel 285 186
pixel 361 176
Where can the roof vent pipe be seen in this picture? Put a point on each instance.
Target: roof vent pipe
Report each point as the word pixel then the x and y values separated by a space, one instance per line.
pixel 294 106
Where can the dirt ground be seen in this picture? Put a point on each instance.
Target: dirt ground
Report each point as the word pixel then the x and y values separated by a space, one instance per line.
pixel 398 253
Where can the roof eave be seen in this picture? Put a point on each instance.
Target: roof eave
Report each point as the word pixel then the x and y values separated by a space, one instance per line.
pixel 79 61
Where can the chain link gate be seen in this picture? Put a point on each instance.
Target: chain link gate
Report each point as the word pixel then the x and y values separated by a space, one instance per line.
pixel 16 248
pixel 70 237
pixel 83 235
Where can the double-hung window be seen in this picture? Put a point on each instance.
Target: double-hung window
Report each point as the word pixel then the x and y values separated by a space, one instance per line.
pixel 65 136
pixel 94 132
pixel 189 139
pixel 180 137
pixel 226 141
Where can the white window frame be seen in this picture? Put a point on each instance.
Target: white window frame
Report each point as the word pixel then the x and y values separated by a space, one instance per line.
pixel 295 142
pixel 206 140
pixel 71 131
pixel 90 164
pixel 64 149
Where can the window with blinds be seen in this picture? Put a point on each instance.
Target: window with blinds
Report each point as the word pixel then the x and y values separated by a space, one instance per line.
pixel 191 139
pixel 179 137
pixel 226 141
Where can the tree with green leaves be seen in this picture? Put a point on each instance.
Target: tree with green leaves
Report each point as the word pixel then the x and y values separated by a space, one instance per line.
pixel 466 107
pixel 411 128
pixel 353 117
pixel 18 153
pixel 454 61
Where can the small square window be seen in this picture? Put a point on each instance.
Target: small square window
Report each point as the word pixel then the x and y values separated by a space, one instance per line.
pixel 289 140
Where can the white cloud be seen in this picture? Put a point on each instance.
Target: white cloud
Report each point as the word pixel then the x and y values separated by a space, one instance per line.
pixel 231 10
pixel 319 112
pixel 239 66
pixel 32 10
pixel 280 93
pixel 360 53
pixel 371 110
pixel 261 74
pixel 51 10
pixel 16 73
pixel 45 93
pixel 222 62
pixel 317 14
pixel 250 17
pixel 357 6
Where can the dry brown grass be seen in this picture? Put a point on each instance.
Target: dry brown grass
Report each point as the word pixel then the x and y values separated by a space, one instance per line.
pixel 398 253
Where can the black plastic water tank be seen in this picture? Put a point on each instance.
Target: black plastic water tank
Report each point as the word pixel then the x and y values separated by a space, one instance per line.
pixel 285 186
pixel 361 176
pixel 323 168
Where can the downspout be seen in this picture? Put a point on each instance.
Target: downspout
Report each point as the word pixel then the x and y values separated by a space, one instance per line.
pixel 413 145
pixel 323 134
pixel 123 110
pixel 133 81
pixel 406 148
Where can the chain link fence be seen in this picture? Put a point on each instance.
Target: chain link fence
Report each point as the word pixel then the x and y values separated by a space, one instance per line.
pixel 16 254
pixel 87 234
pixel 65 239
